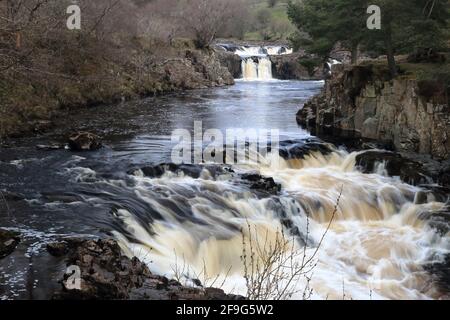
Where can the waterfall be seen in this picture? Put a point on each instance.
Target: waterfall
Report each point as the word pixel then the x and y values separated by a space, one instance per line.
pixel 256 63
pixel 376 246
pixel 257 68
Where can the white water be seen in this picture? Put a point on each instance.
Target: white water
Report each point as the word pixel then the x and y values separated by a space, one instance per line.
pixel 375 248
pixel 256 63
pixel 254 71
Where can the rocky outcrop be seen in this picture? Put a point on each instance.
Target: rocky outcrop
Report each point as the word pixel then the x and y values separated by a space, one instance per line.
pixel 366 100
pixel 197 70
pixel 232 62
pixel 8 242
pixel 106 274
pixel 288 67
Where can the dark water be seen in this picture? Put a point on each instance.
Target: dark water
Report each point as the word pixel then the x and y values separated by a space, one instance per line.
pixel 59 185
pixel 378 243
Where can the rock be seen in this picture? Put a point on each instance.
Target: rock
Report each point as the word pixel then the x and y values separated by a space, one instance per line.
pixel 84 141
pixel 106 274
pixel 260 183
pixel 298 149
pixel 8 242
pixel 408 170
pixel 190 170
pixel 58 249
pixel 287 67
pixel 232 62
pixel 440 272
pixel 196 70
pixel 413 115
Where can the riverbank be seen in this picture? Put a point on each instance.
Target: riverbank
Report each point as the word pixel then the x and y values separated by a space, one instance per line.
pixel 34 93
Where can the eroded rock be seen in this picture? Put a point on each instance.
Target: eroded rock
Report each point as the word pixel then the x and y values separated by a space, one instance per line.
pixel 84 141
pixel 8 242
pixel 106 273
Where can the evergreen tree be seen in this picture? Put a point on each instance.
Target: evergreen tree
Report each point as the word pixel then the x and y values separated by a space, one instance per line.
pixel 405 26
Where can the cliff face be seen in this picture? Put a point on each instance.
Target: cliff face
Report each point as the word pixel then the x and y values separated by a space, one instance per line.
pixel 413 115
pixel 288 67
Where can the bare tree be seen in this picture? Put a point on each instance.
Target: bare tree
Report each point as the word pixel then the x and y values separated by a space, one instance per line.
pixel 273 267
pixel 205 18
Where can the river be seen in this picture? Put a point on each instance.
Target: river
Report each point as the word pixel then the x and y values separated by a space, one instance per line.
pixel 362 235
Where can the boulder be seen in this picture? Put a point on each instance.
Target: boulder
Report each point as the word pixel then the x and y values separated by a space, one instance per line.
pixel 84 141
pixel 8 242
pixel 260 183
pixel 408 170
pixel 107 274
pixel 232 62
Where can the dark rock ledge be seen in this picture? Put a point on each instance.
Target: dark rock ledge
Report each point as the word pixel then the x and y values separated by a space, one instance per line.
pixel 8 242
pixel 106 274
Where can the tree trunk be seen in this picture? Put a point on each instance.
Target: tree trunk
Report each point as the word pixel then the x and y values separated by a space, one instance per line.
pixel 355 53
pixel 390 53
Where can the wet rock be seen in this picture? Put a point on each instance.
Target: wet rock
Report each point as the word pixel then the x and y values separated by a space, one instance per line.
pixel 441 273
pixel 232 62
pixel 8 242
pixel 58 249
pixel 84 141
pixel 260 183
pixel 105 274
pixel 298 149
pixel 191 170
pixel 395 165
pixel 414 115
pixel 439 220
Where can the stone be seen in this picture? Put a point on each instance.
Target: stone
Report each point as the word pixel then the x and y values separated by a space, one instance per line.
pixel 8 242
pixel 401 110
pixel 260 183
pixel 84 141
pixel 107 274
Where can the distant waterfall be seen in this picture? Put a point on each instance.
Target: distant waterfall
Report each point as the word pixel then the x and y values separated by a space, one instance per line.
pixel 257 68
pixel 256 64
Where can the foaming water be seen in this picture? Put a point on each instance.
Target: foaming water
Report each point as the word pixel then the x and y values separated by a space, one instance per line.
pixel 375 247
pixel 377 244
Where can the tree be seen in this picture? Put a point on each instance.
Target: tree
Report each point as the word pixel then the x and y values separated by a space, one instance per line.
pixel 324 23
pixel 206 18
pixel 405 25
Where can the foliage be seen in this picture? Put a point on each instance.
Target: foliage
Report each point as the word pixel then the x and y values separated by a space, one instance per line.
pixel 406 25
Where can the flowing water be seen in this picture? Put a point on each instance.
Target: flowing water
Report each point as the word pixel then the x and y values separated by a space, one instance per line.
pixel 256 64
pixel 363 235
